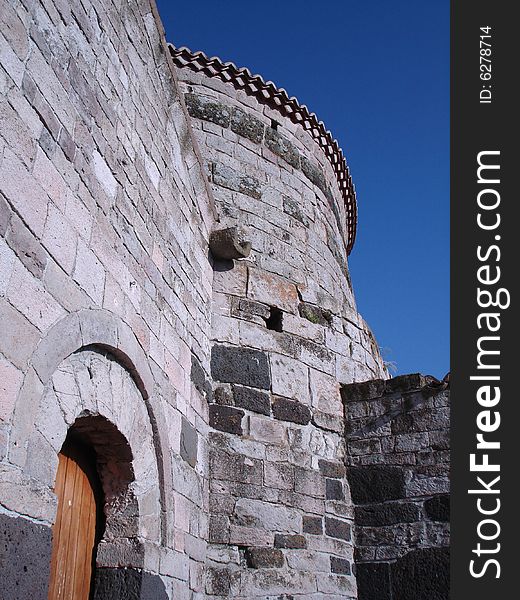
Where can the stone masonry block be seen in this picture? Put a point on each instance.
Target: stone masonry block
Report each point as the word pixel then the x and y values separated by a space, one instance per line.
pixel 422 574
pixel 340 566
pixel 247 126
pixel 272 290
pixel 289 378
pixel 208 110
pixel 378 515
pixel 289 410
pixel 376 484
pixel 20 338
pixel 290 541
pixel 230 179
pixel 264 558
pixel 240 365
pixel 282 147
pixel 438 508
pixel 25 548
pixel 337 529
pixel 313 525
pixel 189 443
pixel 334 490
pixel 252 399
pixel 226 418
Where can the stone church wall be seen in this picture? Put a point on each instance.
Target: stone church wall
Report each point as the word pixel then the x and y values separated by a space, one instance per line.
pixel 104 220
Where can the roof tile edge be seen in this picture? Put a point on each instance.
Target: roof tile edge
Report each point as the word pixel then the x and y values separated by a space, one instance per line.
pixel 278 99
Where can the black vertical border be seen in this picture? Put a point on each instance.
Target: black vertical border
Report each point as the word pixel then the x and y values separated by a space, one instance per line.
pixel 477 127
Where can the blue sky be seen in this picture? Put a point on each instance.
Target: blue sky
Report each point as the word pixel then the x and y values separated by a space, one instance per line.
pixel 377 73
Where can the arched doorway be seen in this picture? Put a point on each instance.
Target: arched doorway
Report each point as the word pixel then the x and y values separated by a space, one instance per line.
pixel 79 523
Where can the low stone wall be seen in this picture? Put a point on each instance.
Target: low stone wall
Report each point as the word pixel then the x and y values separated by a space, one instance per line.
pixel 397 434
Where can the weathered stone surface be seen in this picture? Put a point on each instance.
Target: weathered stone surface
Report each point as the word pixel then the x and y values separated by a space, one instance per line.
pixel 438 508
pixel 247 125
pixel 240 365
pixel 282 147
pixel 332 469
pixel 337 528
pixel 130 584
pixel 314 174
pixel 199 379
pixel 272 289
pixel 235 468
pixel 313 525
pixel 227 177
pixel 189 443
pixel 379 515
pixel 290 410
pixel 374 581
pixel 219 582
pixel 375 484
pixel 422 574
pixel 315 314
pixel 290 541
pixel 264 558
pixel 252 399
pixel 340 566
pixel 25 550
pixel 207 110
pixel 293 208
pixel 226 418
pixel 334 490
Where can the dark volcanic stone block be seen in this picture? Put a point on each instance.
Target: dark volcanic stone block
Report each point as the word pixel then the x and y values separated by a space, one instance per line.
pixel 202 108
pixel 189 443
pixel 337 529
pixel 373 580
pixel 331 469
pixel 25 556
pixel 240 365
pixel 340 566
pixel 355 392
pixel 199 379
pixel 252 399
pixel 128 584
pixel 387 514
pixel 293 208
pixel 219 582
pixel 438 508
pixel 423 574
pixel 247 126
pixel 282 147
pixel 264 558
pixel 376 484
pixel 290 410
pixel 313 525
pixel 314 174
pixel 289 541
pixel 226 418
pixel 334 490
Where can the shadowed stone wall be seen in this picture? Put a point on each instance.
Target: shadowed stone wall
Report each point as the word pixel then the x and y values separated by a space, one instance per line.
pixel 397 434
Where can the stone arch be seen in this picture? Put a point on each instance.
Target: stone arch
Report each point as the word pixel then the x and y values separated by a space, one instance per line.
pixel 92 330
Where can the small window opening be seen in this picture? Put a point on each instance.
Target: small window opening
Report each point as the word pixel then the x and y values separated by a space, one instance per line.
pixel 275 319
pixel 274 124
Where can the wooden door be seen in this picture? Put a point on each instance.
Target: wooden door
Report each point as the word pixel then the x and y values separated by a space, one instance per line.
pixel 74 532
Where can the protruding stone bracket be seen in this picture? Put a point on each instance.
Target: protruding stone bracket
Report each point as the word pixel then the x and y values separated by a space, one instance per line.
pixel 228 244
